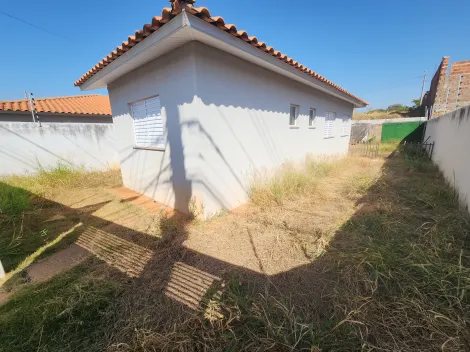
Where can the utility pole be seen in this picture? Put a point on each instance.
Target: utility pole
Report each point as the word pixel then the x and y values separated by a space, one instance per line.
pixel 34 110
pixel 422 89
pixel 28 98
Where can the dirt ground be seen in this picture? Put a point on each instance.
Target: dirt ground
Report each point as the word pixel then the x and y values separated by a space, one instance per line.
pixel 248 239
pixel 321 266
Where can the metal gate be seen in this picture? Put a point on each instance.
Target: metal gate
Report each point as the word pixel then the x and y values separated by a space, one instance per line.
pixel 367 149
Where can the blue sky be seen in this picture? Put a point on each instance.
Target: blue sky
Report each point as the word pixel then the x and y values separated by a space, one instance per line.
pixel 378 50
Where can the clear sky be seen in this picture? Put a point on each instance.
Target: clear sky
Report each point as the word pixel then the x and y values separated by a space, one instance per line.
pixel 377 49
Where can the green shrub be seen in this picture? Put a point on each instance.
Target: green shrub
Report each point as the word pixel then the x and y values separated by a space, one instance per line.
pixel 13 201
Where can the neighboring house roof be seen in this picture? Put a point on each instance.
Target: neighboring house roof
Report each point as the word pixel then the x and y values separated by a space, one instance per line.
pixel 78 105
pixel 204 14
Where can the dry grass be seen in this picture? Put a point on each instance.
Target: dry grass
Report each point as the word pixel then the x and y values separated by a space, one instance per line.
pixel 373 257
pixel 273 188
pixel 64 176
pixel 376 115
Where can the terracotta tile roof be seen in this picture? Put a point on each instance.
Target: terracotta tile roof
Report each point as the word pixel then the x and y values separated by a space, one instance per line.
pixel 204 14
pixel 80 105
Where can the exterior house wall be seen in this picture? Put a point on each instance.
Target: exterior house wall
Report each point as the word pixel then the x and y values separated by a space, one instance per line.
pixel 225 118
pixel 450 133
pixel 243 115
pixel 24 146
pixel 162 175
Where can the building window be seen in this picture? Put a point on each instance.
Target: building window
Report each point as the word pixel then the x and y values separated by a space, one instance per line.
pixel 148 123
pixel 345 126
pixel 328 130
pixel 294 114
pixel 311 118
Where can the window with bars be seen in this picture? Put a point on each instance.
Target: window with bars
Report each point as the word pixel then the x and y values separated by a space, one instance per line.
pixel 294 114
pixel 312 118
pixel 148 123
pixel 345 126
pixel 328 131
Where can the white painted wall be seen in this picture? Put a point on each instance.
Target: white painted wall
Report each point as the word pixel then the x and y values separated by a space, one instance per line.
pixel 451 135
pixel 243 114
pixel 162 175
pixel 396 120
pixel 24 146
pixel 225 118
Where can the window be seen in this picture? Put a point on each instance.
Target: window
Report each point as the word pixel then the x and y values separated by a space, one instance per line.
pixel 311 118
pixel 345 126
pixel 330 118
pixel 294 114
pixel 148 123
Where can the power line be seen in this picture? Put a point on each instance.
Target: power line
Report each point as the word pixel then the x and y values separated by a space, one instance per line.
pixel 34 26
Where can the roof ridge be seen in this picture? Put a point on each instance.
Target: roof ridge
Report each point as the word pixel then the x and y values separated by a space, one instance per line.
pixel 203 13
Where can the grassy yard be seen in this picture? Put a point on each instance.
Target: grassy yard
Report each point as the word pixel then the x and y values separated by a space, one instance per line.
pixel 30 218
pixel 353 254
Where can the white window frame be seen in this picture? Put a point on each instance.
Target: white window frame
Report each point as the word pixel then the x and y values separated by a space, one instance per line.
pixel 345 126
pixel 329 125
pixel 154 121
pixel 312 118
pixel 296 117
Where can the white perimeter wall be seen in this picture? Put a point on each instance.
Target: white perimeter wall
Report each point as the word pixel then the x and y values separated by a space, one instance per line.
pixel 225 118
pixel 396 120
pixel 24 146
pixel 451 135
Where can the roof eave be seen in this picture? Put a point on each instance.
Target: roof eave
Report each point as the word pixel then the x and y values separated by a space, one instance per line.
pixel 18 112
pixel 185 28
pixel 155 45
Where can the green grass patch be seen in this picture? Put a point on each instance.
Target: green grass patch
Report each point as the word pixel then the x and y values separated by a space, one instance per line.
pixel 63 314
pixel 13 201
pixel 25 213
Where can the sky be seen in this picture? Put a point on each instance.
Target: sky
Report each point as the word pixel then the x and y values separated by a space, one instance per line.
pixel 376 49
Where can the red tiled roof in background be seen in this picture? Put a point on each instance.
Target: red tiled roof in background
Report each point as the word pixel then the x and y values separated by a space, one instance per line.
pixel 79 105
pixel 204 14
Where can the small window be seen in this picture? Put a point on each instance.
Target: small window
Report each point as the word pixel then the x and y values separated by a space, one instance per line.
pixel 294 114
pixel 345 126
pixel 311 118
pixel 328 131
pixel 148 123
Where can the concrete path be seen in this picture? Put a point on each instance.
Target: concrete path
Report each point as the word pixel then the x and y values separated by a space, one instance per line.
pixel 62 260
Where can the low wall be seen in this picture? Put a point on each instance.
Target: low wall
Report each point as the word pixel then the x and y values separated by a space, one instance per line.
pixel 397 120
pixel 398 131
pixel 383 129
pixel 24 146
pixel 451 135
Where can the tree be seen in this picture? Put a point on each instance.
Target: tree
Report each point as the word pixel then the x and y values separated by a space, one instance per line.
pixel 397 107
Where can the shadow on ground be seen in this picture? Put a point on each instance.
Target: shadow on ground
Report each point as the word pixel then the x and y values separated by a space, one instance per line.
pixel 379 285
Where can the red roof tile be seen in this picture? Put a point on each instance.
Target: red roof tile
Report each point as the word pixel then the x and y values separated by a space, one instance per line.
pixel 204 14
pixel 79 105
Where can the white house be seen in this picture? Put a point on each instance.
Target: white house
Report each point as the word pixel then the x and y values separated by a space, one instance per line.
pixel 198 105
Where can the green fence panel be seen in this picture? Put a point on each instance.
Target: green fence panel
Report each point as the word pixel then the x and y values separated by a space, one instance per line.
pixel 398 131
